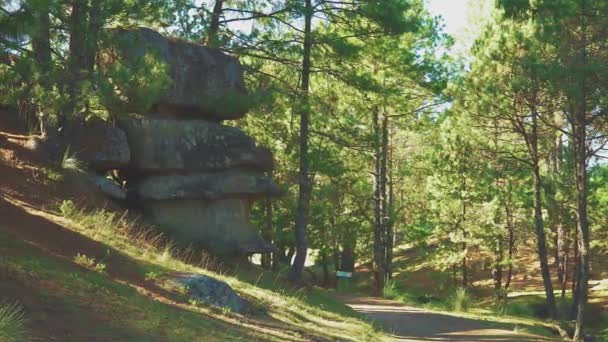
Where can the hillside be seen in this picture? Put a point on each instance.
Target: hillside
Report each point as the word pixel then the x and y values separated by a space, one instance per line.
pixel 83 271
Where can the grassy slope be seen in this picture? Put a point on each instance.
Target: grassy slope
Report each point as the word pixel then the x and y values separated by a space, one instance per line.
pixel 126 297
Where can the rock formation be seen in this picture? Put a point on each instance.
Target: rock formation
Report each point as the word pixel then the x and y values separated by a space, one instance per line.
pixel 192 176
pixel 212 291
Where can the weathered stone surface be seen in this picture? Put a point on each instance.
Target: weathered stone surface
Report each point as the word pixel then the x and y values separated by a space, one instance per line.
pixel 212 291
pixel 108 187
pixel 209 186
pixel 221 227
pixel 101 145
pixel 205 82
pixel 166 145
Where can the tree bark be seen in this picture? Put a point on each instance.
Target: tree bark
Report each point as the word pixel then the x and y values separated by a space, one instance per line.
pixel 386 214
pixel 305 183
pixel 267 258
pixel 214 24
pixel 579 129
pixel 41 41
pixel 541 239
pixel 497 272
pixel 41 49
pixel 390 224
pixel 511 233
pixel 580 160
pixel 379 232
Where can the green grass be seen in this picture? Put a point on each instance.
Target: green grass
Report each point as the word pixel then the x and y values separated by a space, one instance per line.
pixel 12 322
pixel 460 300
pixel 279 312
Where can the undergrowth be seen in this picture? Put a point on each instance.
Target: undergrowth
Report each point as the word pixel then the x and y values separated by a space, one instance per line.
pixel 309 310
pixel 12 322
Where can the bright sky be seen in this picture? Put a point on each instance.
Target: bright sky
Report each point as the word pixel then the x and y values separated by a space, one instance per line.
pixel 462 18
pixel 454 13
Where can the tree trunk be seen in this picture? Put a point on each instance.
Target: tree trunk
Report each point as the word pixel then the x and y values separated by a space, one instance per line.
pixel 564 250
pixel 214 24
pixel 511 232
pixel 386 214
pixel 541 239
pixel 92 39
pixel 325 265
pixel 390 225
pixel 497 272
pixel 41 42
pixel 289 256
pixel 463 264
pixel 575 276
pixel 347 263
pixel 305 183
pixel 267 233
pixel 41 49
pixel 76 61
pixel 379 233
pixel 580 161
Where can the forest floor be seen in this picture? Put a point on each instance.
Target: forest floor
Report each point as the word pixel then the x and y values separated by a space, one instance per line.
pixel 417 282
pixel 408 323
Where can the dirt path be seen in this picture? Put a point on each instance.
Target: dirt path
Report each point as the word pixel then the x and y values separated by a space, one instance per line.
pixel 414 324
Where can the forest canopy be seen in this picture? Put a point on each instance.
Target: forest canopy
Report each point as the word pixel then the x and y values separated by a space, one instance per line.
pixel 382 135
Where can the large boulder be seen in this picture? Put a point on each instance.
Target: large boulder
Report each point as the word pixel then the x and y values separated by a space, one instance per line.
pixel 221 227
pixel 209 186
pixel 100 145
pixel 212 291
pixel 162 145
pixel 205 82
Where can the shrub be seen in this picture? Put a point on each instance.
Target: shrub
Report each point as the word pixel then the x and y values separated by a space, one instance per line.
pixel 71 163
pixel 390 290
pixel 460 300
pixel 68 209
pixel 12 323
pixel 90 263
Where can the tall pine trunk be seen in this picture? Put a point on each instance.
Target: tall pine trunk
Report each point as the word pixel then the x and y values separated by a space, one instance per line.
pixel 304 181
pixel 379 233
pixel 390 224
pixel 386 214
pixel 580 161
pixel 511 238
pixel 541 239
pixel 41 49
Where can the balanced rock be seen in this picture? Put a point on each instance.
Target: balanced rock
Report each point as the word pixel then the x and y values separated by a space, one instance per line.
pixel 220 226
pixel 209 186
pixel 100 145
pixel 205 82
pixel 166 145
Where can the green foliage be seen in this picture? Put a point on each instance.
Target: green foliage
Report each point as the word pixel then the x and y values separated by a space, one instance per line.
pixel 133 76
pixel 70 162
pixel 90 263
pixel 12 322
pixel 460 300
pixel 390 289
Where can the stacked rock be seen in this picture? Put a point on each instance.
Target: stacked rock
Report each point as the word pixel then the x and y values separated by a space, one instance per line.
pixel 192 176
